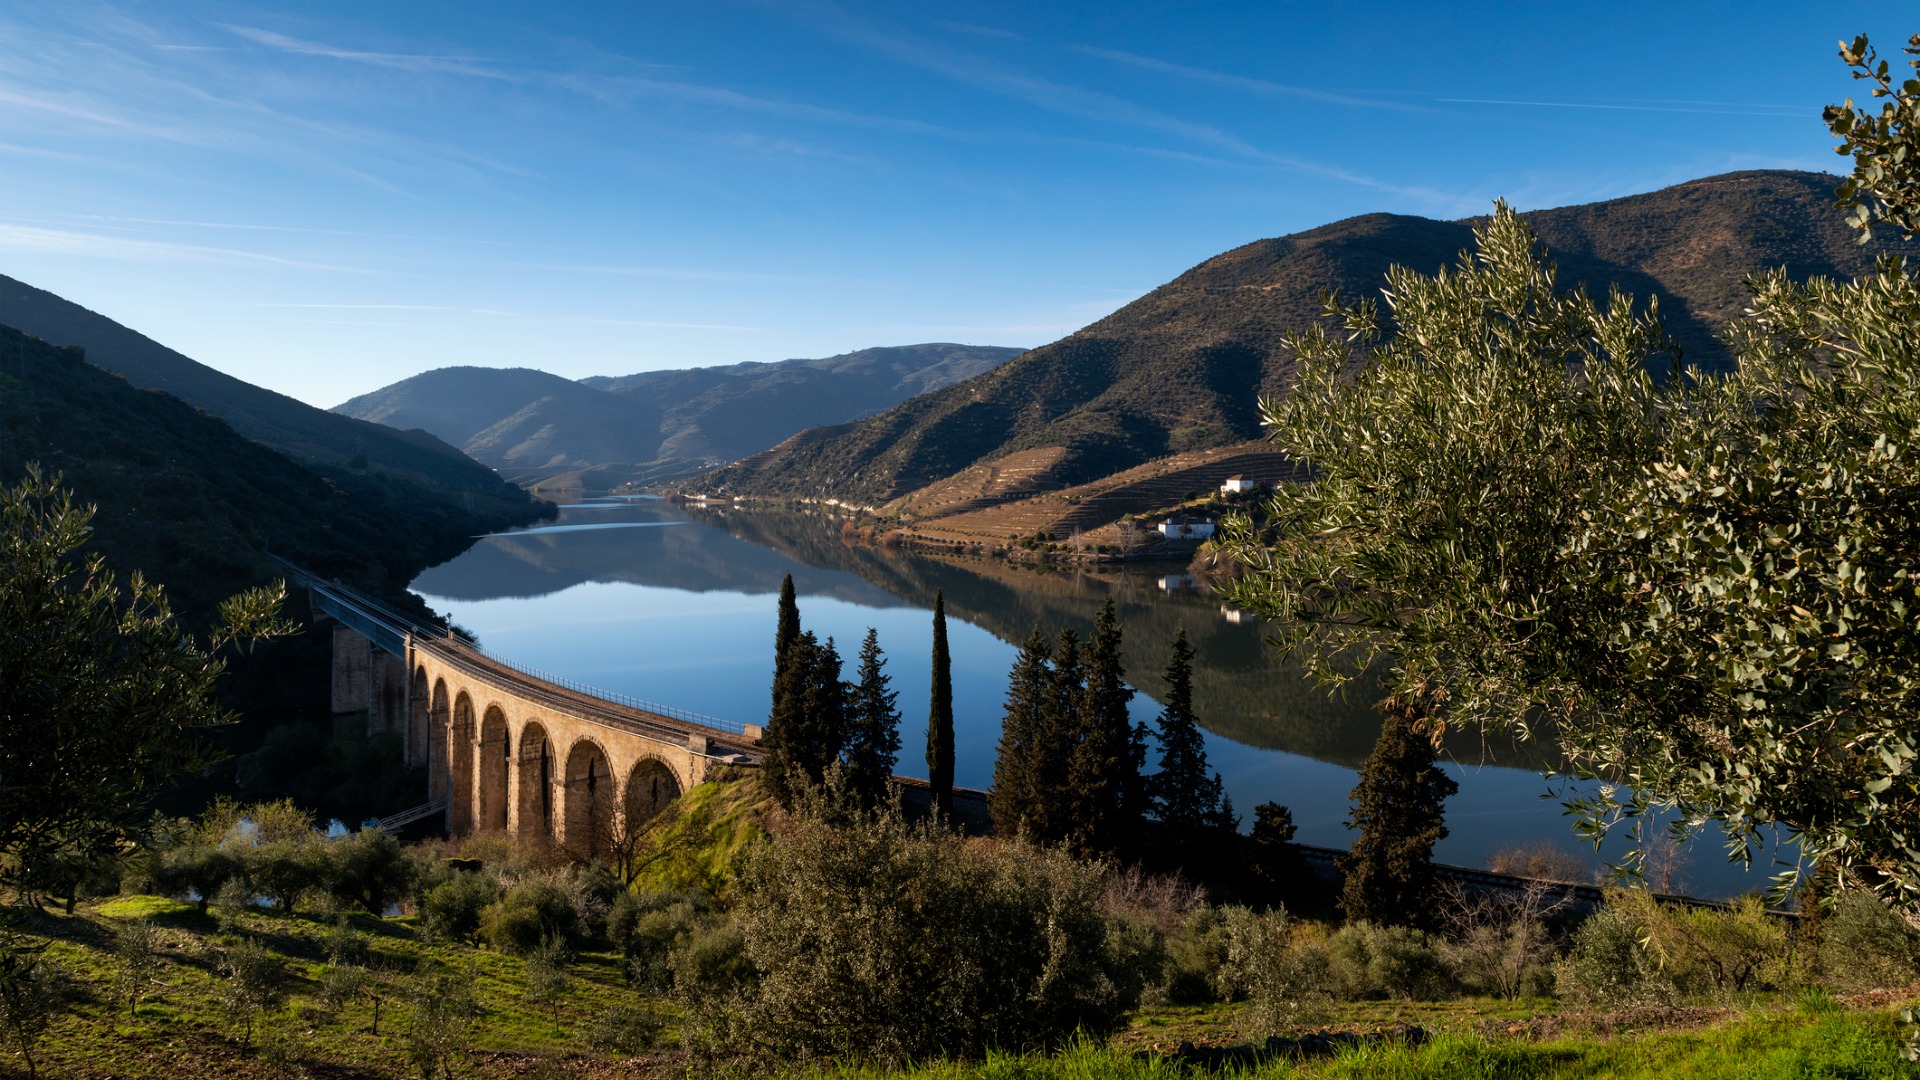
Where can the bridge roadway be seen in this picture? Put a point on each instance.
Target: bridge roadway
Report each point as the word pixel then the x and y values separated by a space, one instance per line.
pixel 513 750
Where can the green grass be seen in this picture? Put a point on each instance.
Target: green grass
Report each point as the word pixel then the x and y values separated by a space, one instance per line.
pixel 1773 1046
pixel 711 828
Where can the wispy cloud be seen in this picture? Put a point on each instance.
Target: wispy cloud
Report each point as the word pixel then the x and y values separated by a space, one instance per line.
pixel 1709 108
pixel 499 313
pixel 981 31
pixel 423 62
pixel 93 245
pixel 1240 82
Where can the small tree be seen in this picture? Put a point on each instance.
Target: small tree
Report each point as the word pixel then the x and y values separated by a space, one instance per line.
pixel 940 715
pixel 1397 806
pixel 548 977
pixel 250 987
pixel 135 960
pixel 31 993
pixel 443 1011
pixel 1273 856
pixel 873 729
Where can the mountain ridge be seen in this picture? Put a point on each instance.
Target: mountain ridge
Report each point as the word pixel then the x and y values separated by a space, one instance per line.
pixel 1182 367
pixel 530 424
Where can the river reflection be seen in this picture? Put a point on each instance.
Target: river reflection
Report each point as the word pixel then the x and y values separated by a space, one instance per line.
pixel 685 616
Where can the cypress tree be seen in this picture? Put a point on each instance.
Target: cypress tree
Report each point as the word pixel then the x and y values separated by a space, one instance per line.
pixel 940 715
pixel 1103 776
pixel 1274 857
pixel 1187 797
pixel 1397 806
pixel 780 714
pixel 1014 800
pixel 873 728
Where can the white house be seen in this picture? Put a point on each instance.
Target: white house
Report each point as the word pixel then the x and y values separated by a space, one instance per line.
pixel 1235 484
pixel 1186 528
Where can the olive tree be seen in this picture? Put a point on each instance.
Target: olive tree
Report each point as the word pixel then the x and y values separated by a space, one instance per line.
pixel 1703 589
pixel 102 693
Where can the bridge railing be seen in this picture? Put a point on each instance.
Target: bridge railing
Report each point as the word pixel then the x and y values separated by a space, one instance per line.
pixel 683 715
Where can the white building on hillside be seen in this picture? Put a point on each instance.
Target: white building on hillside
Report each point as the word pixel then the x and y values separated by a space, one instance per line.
pixel 1186 528
pixel 1236 484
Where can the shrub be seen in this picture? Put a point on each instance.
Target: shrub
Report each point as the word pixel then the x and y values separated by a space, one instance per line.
pixel 442 1011
pixel 624 1030
pixel 369 870
pixel 1195 956
pixel 1608 967
pixel 882 940
pixel 1369 961
pixel 287 869
pixel 1865 945
pixel 647 928
pixel 451 909
pixel 194 868
pixel 135 961
pixel 711 964
pixel 250 987
pixel 530 912
pixel 548 977
pixel 1714 950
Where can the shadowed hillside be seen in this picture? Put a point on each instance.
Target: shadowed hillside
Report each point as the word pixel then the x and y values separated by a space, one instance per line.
pixel 193 505
pixel 1182 368
pixel 435 470
pixel 533 426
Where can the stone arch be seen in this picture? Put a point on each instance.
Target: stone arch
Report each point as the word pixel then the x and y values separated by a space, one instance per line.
pixel 650 787
pixel 439 721
pixel 459 744
pixel 415 750
pixel 491 772
pixel 533 785
pixel 588 832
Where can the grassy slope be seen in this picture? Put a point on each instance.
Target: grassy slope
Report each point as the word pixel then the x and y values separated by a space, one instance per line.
pixel 1180 368
pixel 178 1029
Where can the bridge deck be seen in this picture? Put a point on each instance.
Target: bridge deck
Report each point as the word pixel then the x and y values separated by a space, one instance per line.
pixel 585 706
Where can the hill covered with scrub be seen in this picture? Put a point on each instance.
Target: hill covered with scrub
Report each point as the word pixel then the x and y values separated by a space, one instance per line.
pixel 1181 368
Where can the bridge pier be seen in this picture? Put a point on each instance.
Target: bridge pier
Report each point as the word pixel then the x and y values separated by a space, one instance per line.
pixel 367 682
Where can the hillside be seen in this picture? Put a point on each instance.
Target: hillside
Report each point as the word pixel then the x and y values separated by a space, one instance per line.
pixel 435 470
pixel 532 425
pixel 1181 368
pixel 192 504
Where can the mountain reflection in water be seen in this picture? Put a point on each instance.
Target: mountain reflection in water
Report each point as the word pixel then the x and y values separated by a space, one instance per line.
pixel 685 616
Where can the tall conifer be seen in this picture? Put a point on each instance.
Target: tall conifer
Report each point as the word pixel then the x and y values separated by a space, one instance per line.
pixel 809 726
pixel 775 741
pixel 940 715
pixel 873 728
pixel 1103 774
pixel 1397 806
pixel 1186 796
pixel 1014 800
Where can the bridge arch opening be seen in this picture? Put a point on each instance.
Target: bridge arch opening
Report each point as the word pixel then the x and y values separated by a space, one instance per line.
pixel 650 787
pixel 460 766
pixel 533 775
pixel 417 719
pixel 491 766
pixel 588 832
pixel 440 720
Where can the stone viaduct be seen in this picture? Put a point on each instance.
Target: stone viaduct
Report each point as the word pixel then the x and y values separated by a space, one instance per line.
pixel 512 751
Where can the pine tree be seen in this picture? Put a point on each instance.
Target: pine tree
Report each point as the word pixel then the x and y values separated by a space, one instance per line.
pixel 1397 806
pixel 808 728
pixel 873 728
pixel 940 715
pixel 1059 731
pixel 1014 800
pixel 1274 857
pixel 1186 796
pixel 1103 778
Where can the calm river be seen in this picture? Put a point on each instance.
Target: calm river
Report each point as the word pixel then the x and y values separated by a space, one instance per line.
pixel 645 598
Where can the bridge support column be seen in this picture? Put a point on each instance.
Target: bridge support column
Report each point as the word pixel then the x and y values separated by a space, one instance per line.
pixel 352 671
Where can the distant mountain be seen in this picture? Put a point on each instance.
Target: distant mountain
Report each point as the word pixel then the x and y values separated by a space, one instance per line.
pixel 437 471
pixel 194 505
pixel 532 425
pixel 1182 368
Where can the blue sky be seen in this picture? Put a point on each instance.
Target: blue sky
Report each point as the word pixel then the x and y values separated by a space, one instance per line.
pixel 327 197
